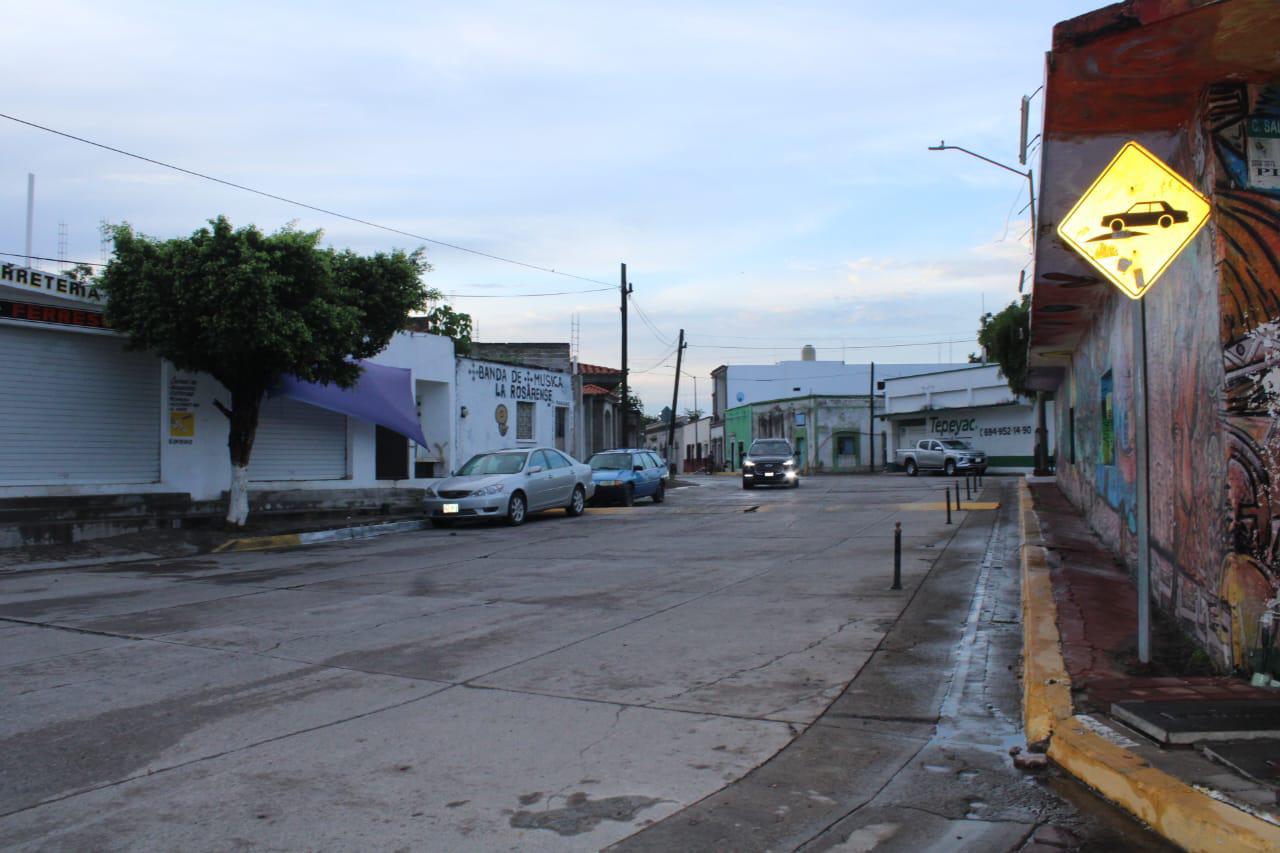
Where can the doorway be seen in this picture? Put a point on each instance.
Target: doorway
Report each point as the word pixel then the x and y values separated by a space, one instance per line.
pixel 391 455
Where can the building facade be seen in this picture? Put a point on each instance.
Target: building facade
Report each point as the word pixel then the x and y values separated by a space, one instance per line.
pixel 504 405
pixel 972 403
pixel 1205 100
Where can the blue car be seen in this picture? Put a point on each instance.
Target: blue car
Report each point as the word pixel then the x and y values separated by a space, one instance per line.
pixel 626 474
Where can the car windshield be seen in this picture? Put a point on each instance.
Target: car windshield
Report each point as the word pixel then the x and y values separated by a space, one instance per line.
pixel 493 463
pixel 953 444
pixel 610 462
pixel 770 448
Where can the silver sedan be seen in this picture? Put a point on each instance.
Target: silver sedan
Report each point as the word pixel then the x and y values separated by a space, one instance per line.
pixel 510 484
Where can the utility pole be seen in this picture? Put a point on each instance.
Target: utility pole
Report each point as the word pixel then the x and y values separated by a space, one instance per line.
pixel 675 397
pixel 626 291
pixel 871 422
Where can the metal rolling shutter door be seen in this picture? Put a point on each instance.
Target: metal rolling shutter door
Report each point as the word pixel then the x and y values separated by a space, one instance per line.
pixel 296 441
pixel 77 408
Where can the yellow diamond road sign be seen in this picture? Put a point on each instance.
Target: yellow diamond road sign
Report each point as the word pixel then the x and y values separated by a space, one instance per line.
pixel 1135 219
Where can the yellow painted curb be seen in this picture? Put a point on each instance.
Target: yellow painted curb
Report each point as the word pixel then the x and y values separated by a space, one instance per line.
pixel 260 543
pixel 1190 818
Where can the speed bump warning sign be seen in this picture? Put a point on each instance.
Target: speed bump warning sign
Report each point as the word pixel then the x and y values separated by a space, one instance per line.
pixel 1135 219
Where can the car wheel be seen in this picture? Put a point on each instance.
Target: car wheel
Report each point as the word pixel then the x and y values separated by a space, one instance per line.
pixel 628 495
pixel 517 509
pixel 661 494
pixel 949 468
pixel 442 523
pixel 1117 225
pixel 577 503
pixel 1166 221
pixel 911 468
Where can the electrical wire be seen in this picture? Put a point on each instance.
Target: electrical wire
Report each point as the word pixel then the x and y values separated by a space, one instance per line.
pixel 653 329
pixel 296 203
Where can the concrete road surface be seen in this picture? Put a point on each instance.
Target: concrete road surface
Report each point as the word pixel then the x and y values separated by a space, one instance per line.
pixel 654 677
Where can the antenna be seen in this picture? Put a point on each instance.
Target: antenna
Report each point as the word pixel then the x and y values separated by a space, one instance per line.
pixel 62 246
pixel 1022 129
pixel 104 240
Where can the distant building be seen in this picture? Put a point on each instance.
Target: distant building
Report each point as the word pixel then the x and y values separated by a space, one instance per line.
pixel 973 402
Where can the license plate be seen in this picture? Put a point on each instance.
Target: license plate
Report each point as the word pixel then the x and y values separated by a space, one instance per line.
pixel 449 509
pixel 768 473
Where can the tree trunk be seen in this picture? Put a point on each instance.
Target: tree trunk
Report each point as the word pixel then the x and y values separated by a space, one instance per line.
pixel 246 403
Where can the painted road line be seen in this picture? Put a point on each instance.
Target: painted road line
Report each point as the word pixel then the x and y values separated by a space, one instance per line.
pixel 1187 816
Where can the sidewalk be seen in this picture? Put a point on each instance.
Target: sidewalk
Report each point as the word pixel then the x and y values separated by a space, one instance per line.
pixel 1080 618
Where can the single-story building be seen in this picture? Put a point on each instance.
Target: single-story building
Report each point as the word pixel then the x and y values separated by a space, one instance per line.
pixel 974 403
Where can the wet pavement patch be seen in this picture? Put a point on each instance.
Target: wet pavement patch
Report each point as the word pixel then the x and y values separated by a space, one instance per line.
pixel 582 814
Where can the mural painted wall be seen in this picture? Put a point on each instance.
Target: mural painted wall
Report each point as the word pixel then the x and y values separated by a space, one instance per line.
pixel 1213 326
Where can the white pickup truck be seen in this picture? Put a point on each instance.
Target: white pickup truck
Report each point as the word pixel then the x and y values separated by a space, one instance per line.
pixel 948 455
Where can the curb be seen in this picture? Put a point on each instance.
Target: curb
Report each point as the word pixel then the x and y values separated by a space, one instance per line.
pixel 341 534
pixel 1182 814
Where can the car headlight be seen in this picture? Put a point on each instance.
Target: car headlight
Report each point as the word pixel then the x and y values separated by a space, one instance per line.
pixel 488 490
pixel 430 493
pixel 789 464
pixel 747 463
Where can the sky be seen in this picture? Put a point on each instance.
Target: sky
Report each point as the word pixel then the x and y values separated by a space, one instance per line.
pixel 762 168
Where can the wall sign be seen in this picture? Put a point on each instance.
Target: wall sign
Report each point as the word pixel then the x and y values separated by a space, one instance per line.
pixel 182 406
pixel 52 314
pixel 518 383
pixel 26 278
pixel 1264 152
pixel 500 415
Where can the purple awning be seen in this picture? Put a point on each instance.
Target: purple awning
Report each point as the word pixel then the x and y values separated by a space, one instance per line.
pixel 382 395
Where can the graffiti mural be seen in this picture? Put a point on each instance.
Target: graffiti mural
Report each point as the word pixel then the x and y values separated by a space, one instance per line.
pixel 1248 249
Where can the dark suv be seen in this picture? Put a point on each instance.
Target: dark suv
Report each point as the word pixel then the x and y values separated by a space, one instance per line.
pixel 770 462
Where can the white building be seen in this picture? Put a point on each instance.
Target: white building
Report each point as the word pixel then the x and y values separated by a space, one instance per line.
pixel 84 416
pixel 502 405
pixel 742 384
pixel 972 402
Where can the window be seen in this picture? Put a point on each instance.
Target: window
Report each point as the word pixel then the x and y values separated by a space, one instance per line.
pixel 1107 427
pixel 556 460
pixel 524 421
pixel 846 446
pixel 561 413
pixel 1071 433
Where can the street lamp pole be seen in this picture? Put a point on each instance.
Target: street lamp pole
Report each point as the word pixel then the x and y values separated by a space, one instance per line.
pixel 1029 175
pixel 1042 432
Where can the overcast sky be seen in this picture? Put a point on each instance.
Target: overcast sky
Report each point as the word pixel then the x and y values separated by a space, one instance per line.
pixel 760 167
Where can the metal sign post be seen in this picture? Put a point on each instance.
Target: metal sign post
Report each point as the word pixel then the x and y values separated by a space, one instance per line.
pixel 1143 477
pixel 1130 225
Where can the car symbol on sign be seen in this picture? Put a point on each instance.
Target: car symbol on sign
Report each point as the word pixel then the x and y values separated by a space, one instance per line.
pixel 1145 213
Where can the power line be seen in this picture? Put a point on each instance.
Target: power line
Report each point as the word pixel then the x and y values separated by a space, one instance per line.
pixel 448 293
pixel 662 339
pixel 296 203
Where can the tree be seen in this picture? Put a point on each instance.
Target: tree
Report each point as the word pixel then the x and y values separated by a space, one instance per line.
pixel 249 308
pixel 1005 338
pixel 693 414
pixel 443 320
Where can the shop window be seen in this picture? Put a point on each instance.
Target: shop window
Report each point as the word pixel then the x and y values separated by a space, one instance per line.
pixel 524 421
pixel 1106 428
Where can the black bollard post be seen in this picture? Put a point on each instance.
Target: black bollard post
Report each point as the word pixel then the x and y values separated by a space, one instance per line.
pixel 948 491
pixel 897 555
pixel 957 495
pixel 968 495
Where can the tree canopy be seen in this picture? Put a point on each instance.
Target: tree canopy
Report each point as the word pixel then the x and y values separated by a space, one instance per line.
pixel 1005 337
pixel 248 308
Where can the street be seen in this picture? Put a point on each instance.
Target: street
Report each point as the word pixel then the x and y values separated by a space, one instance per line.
pixel 566 685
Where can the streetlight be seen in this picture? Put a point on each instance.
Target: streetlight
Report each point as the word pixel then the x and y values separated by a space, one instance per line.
pixel 1042 429
pixel 1031 186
